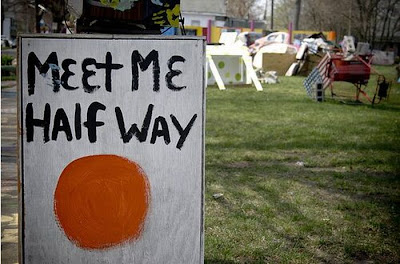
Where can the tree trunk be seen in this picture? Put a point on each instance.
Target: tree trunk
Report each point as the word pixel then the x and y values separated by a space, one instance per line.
pixel 272 15
pixel 297 14
pixel 38 17
pixel 385 21
pixel 375 22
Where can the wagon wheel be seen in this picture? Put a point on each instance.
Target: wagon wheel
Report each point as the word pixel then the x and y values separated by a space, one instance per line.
pixel 360 90
pixel 382 89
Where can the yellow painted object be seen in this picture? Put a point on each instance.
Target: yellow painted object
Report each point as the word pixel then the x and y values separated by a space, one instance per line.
pixel 215 34
pixel 199 30
pixel 216 31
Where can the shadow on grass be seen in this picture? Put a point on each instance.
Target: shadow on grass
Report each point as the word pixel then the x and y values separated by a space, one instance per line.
pixel 384 105
pixel 284 210
pixel 368 205
pixel 218 261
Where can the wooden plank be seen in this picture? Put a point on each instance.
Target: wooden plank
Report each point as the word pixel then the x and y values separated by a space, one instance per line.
pixel 252 73
pixel 215 72
pixel 279 62
pixel 99 101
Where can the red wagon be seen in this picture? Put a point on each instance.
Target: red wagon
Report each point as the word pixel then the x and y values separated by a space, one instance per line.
pixel 355 69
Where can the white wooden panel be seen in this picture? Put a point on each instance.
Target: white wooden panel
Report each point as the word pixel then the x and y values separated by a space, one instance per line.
pixel 215 73
pixel 173 228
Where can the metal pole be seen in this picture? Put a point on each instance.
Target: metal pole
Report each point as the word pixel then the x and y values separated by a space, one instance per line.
pixel 265 11
pixel 37 16
pixel 349 32
pixel 272 15
pixel 209 32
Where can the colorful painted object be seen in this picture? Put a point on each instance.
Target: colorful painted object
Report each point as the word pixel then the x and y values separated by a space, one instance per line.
pixel 231 69
pixel 148 13
pixel 230 63
pixel 101 201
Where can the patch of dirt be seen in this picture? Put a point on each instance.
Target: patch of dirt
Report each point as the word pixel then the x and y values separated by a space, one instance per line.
pixel 247 164
pixel 239 165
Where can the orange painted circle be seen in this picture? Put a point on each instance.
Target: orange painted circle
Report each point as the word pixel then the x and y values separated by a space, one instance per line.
pixel 101 201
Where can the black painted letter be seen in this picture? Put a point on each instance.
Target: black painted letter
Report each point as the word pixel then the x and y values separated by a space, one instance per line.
pixel 67 73
pixel 144 64
pixel 92 122
pixel 30 123
pixel 61 123
pixel 163 132
pixel 51 62
pixel 141 135
pixel 109 66
pixel 182 132
pixel 86 74
pixel 172 73
pixel 78 125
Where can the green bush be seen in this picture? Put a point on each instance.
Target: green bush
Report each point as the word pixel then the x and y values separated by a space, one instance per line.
pixel 6 59
pixel 9 78
pixel 7 71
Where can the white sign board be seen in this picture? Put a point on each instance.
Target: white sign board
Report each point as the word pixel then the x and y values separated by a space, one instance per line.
pixel 111 149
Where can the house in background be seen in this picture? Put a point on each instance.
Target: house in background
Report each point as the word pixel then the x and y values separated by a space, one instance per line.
pixel 15 17
pixel 19 17
pixel 209 18
pixel 200 13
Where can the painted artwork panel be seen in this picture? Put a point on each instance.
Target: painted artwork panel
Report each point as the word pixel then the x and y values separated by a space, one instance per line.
pixel 148 13
pixel 230 68
pixel 111 149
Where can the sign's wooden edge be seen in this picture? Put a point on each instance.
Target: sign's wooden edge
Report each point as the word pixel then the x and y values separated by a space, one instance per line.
pixel 20 174
pixel 203 180
pixel 111 36
pixel 20 158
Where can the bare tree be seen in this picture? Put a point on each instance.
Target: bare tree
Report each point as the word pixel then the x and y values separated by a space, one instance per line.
pixel 297 14
pixel 368 20
pixel 283 13
pixel 377 18
pixel 390 13
pixel 240 8
pixel 257 10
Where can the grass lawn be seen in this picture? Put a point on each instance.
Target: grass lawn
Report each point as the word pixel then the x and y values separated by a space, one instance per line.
pixel 302 182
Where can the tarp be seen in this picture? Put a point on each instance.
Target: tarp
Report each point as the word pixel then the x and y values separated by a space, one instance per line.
pixel 279 48
pixel 383 57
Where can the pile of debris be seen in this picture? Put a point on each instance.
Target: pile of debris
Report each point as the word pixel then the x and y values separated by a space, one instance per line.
pixel 274 53
pixel 310 53
pixel 352 65
pixel 236 61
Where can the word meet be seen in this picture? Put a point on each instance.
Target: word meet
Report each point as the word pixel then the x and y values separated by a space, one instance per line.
pixel 62 123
